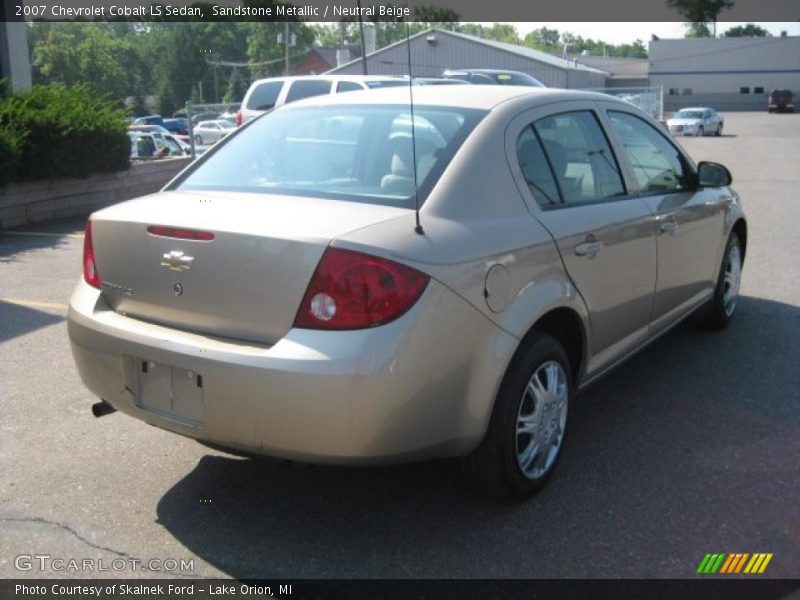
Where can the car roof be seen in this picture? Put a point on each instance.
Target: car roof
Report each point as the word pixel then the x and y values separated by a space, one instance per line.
pixel 492 71
pixel 483 97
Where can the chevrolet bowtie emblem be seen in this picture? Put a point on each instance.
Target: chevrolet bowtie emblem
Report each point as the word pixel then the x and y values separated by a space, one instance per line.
pixel 177 261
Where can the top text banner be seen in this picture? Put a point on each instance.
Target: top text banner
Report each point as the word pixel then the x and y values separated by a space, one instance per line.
pixel 383 10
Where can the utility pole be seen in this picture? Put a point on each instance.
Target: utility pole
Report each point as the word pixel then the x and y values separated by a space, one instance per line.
pixel 286 41
pixel 363 44
pixel 216 85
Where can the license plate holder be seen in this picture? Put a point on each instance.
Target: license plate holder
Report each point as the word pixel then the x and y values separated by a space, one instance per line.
pixel 170 392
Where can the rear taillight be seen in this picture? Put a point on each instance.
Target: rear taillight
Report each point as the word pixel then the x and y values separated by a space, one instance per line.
pixel 238 118
pixel 90 273
pixel 351 290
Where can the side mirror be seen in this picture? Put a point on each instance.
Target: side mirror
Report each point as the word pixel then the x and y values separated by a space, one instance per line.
pixel 710 174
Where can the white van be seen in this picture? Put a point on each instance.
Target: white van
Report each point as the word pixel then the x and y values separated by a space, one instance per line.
pixel 266 94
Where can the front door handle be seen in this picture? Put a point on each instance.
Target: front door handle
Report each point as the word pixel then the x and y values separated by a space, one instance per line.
pixel 588 248
pixel 668 225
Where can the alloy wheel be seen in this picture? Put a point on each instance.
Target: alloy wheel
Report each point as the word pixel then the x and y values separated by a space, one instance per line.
pixel 541 420
pixel 733 275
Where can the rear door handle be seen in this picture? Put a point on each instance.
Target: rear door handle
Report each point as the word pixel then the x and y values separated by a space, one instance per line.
pixel 668 225
pixel 588 248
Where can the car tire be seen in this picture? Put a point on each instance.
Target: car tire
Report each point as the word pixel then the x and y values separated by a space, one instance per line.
pixel 531 405
pixel 719 130
pixel 198 140
pixel 721 309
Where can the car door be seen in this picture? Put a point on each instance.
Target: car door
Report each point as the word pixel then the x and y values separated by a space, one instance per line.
pixel 709 122
pixel 214 132
pixel 689 222
pixel 570 178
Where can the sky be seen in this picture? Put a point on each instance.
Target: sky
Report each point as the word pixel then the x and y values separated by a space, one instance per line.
pixel 625 33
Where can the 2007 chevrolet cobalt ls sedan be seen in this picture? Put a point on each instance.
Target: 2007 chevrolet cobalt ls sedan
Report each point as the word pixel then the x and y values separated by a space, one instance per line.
pixel 279 297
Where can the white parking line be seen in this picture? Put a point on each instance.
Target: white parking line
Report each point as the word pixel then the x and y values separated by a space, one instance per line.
pixel 36 304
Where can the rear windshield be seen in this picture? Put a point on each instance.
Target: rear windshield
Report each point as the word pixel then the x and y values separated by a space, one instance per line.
pixel 348 152
pixel 509 78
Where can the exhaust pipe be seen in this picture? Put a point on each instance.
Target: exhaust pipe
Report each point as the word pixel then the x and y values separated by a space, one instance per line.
pixel 102 408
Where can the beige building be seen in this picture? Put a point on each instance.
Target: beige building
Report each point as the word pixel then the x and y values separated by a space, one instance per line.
pixel 726 73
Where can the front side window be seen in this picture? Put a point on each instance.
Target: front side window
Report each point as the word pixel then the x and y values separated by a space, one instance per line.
pixel 657 164
pixel 584 165
pixel 306 88
pixel 361 153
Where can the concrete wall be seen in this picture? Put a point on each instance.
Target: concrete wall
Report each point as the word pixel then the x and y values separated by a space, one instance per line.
pixel 713 71
pixel 25 203
pixel 14 62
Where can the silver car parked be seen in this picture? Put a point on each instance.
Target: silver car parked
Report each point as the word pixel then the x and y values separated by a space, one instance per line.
pixel 282 296
pixel 696 122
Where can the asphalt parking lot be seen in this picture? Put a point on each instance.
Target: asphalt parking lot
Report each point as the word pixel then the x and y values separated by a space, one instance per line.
pixel 691 447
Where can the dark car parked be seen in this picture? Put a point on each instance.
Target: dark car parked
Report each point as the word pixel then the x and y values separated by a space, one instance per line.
pixel 492 77
pixel 780 100
pixel 179 126
pixel 150 120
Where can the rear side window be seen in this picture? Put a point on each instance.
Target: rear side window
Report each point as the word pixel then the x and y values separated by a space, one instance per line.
pixel 145 147
pixel 657 164
pixel 584 165
pixel 536 169
pixel 265 96
pixel 348 86
pixel 306 88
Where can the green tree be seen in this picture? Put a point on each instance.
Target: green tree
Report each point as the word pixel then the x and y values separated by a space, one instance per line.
pixel 184 54
pixel 700 11
pixel 544 39
pixel 698 30
pixel 80 53
pixel 237 87
pixel 749 30
pixel 436 16
pixel 263 46
pixel 166 105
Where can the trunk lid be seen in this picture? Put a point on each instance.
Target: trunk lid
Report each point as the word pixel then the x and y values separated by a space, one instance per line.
pixel 245 283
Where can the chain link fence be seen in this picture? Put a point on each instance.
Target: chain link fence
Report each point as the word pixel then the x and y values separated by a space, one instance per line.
pixel 649 99
pixel 196 113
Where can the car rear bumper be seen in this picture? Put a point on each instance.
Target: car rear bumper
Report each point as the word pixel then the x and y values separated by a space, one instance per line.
pixel 419 387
